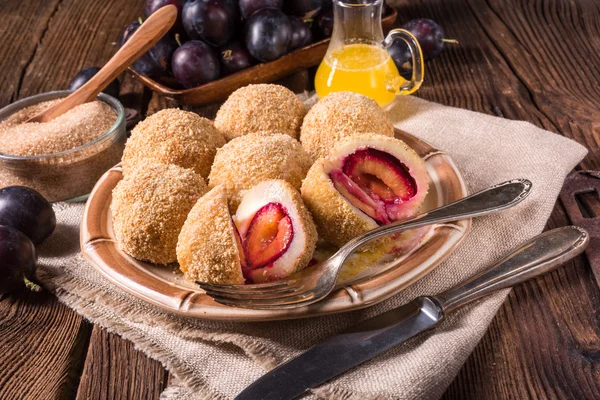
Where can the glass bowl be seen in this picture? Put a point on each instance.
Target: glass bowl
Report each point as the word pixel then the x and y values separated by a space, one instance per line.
pixel 69 175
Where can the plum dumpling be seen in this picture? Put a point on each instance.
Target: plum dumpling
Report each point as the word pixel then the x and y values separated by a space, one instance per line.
pixel 366 181
pixel 271 236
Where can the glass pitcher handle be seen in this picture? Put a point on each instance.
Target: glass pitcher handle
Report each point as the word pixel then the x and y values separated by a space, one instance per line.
pixel 411 86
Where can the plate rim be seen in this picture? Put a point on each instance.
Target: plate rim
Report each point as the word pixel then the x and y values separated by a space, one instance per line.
pixel 95 238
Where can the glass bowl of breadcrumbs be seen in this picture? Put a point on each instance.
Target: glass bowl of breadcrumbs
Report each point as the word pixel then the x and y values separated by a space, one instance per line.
pixel 62 159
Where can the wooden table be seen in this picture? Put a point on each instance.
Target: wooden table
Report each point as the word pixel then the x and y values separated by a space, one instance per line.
pixel 535 60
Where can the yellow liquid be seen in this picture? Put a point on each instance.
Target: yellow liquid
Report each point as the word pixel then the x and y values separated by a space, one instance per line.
pixel 360 68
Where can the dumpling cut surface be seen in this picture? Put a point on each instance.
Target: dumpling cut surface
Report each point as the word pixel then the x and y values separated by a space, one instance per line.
pixel 149 206
pixel 277 231
pixel 339 115
pixel 368 180
pixel 208 250
pixel 261 108
pixel 173 136
pixel 250 159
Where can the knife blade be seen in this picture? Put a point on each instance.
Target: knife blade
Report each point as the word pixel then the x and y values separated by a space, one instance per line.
pixel 345 350
pixel 364 341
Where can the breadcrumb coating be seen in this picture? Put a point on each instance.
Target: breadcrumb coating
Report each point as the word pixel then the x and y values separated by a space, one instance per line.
pixel 250 159
pixel 338 221
pixel 150 205
pixel 261 108
pixel 207 249
pixel 339 115
pixel 173 136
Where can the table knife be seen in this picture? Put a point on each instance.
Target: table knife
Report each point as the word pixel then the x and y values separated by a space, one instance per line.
pixel 366 340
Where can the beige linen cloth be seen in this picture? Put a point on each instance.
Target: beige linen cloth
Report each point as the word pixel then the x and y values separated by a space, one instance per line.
pixel 216 360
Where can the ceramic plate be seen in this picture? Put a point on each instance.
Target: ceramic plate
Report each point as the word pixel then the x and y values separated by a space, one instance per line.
pixel 365 280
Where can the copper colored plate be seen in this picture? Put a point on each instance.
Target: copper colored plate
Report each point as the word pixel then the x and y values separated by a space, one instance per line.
pixel 219 90
pixel 164 286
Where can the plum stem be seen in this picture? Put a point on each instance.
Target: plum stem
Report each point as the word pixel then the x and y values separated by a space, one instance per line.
pixel 178 39
pixel 140 20
pixel 453 41
pixel 34 287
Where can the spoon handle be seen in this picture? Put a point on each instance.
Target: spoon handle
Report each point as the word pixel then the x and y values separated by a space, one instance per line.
pixel 146 36
pixel 487 201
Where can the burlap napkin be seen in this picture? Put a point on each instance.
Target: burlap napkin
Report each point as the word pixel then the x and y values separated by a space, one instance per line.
pixel 217 359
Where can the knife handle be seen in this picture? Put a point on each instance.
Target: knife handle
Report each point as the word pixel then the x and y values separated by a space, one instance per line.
pixel 541 254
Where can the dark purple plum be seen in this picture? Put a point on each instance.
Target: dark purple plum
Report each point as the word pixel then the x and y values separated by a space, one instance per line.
pixel 27 211
pixel 86 74
pixel 324 23
pixel 212 21
pixel 153 5
pixel 268 34
pixel 429 35
pixel 17 261
pixel 303 8
pixel 249 7
pixel 301 33
pixel 234 56
pixel 195 63
pixel 156 62
pixel 400 53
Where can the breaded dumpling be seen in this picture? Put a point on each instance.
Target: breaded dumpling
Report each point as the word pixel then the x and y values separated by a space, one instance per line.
pixel 250 159
pixel 367 180
pixel 339 115
pixel 208 250
pixel 173 136
pixel 261 108
pixel 150 205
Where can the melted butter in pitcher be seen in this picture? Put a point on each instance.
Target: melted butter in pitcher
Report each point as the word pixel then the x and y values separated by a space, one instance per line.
pixel 360 68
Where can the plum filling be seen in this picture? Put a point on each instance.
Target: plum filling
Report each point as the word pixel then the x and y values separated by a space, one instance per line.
pixel 268 237
pixel 375 182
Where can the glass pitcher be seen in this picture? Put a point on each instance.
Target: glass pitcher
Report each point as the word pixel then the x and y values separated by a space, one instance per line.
pixel 357 59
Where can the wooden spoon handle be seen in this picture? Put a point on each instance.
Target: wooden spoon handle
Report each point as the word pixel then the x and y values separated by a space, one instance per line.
pixel 146 36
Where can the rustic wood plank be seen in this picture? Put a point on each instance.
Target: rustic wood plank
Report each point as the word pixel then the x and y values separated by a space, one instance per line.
pixel 115 370
pixel 552 47
pixel 24 24
pixel 43 346
pixel 472 75
pixel 82 33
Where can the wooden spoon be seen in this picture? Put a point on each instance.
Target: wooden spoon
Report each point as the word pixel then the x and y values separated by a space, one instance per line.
pixel 146 36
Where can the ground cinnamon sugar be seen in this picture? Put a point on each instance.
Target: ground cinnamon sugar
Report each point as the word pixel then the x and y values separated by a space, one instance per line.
pixel 74 128
pixel 56 157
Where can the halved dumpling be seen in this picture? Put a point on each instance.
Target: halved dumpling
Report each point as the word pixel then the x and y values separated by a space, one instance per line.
pixel 209 248
pixel 276 229
pixel 366 181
